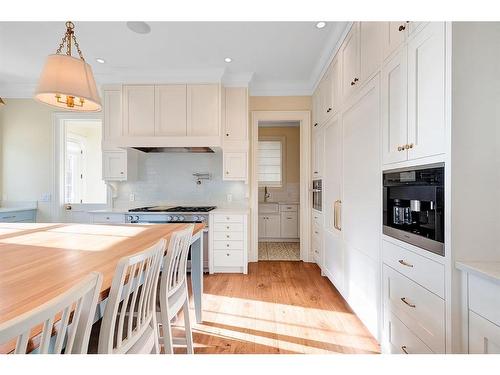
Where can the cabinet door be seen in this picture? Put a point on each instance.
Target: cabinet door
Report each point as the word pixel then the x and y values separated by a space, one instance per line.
pixel 316 107
pixel 393 35
pixel 394 109
pixel 484 336
pixel 327 94
pixel 317 156
pixel 289 224
pixel 235 166
pixel 273 226
pixel 262 226
pixel 426 92
pixel 114 166
pixel 370 38
pixel 170 110
pixel 335 85
pixel 203 109
pixel 112 105
pixel 361 204
pixel 350 63
pixel 332 173
pixel 236 114
pixel 139 110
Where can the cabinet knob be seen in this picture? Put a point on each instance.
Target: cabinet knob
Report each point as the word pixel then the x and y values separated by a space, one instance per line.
pixel 227 235
pixel 411 145
pixel 354 81
pixel 402 27
pixel 316 124
pixel 403 348
pixel 122 172
pixel 328 110
pixel 407 147
pixel 227 245
pixel 227 254
pixel 227 172
pixel 227 134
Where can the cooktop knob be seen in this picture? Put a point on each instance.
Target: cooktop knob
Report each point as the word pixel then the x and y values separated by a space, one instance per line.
pixel 169 218
pixel 175 218
pixel 181 218
pixel 196 218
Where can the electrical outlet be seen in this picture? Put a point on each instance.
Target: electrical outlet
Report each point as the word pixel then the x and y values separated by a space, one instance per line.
pixel 45 197
pixel 131 197
pixel 229 198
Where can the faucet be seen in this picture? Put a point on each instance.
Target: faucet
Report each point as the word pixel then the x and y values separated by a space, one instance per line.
pixel 267 194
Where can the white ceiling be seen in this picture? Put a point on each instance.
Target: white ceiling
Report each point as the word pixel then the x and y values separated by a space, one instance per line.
pixel 277 58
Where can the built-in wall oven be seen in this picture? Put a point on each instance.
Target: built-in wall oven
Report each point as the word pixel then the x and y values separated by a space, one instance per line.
pixel 414 206
pixel 317 195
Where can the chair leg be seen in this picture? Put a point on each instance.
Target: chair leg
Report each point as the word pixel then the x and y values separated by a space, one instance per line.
pixel 168 344
pixel 187 328
pixel 156 346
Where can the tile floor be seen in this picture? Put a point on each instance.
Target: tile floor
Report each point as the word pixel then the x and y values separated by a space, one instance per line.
pixel 279 251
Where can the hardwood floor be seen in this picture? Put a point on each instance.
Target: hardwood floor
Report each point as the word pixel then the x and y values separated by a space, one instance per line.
pixel 279 307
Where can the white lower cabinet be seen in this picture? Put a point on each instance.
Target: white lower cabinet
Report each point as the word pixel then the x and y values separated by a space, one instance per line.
pixel 484 336
pixel 412 287
pixel 317 238
pixel 270 226
pixel 289 224
pixel 228 247
pixel 25 216
pixel 107 218
pixel 400 340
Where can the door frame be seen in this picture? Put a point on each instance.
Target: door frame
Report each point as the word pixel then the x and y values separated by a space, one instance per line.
pixel 58 121
pixel 304 119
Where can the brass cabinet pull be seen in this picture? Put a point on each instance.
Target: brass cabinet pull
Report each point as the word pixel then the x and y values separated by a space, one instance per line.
pixel 407 147
pixel 410 145
pixel 401 261
pixel 328 110
pixel 403 348
pixel 402 27
pixel 337 206
pixel 407 303
pixel 400 148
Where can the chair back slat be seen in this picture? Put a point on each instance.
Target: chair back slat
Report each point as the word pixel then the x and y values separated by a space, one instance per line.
pixel 131 301
pixel 55 315
pixel 175 263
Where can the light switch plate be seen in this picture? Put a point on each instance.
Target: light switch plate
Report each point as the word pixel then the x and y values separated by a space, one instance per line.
pixel 131 197
pixel 45 197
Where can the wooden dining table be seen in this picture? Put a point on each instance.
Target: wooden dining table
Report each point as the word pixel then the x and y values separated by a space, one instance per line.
pixel 39 261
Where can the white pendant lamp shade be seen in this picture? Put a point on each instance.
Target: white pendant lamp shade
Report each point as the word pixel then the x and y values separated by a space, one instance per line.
pixel 67 82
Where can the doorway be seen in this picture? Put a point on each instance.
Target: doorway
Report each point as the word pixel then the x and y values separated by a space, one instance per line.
pixel 280 199
pixel 79 186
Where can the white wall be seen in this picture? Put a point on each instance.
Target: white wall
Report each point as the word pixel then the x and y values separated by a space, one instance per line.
pixel 27 153
pixel 168 178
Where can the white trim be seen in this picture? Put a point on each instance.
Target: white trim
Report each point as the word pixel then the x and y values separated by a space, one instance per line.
pixel 58 133
pixel 304 117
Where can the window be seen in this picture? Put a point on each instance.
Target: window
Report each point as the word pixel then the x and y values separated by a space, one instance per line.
pixel 270 163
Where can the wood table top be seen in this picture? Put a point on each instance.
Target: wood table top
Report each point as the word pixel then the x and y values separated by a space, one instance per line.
pixel 39 261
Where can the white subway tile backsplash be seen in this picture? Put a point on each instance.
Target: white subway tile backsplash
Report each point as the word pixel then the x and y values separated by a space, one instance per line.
pixel 168 178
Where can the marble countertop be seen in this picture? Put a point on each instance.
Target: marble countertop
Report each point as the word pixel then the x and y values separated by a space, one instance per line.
pixel 281 203
pixel 487 270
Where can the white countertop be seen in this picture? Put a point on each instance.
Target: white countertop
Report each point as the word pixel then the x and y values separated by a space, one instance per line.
pixel 281 203
pixel 123 211
pixel 17 206
pixel 487 270
pixel 230 210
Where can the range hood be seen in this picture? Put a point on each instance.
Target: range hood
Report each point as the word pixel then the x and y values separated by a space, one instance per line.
pixel 193 150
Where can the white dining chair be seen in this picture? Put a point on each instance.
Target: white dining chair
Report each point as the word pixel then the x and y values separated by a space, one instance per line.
pixel 129 322
pixel 65 321
pixel 174 290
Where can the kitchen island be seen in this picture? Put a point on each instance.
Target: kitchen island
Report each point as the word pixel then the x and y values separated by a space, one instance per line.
pixel 40 261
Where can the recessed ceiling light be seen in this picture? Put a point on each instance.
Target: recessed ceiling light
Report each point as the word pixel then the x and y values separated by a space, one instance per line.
pixel 100 61
pixel 228 59
pixel 139 27
pixel 321 24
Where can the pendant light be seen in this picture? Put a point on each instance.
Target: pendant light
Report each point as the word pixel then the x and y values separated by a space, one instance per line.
pixel 66 81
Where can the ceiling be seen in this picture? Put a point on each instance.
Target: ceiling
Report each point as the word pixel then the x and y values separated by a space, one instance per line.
pixel 274 58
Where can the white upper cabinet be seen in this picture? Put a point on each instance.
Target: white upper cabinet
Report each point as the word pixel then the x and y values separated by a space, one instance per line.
pixel 350 62
pixel 112 108
pixel 235 166
pixel 426 92
pixel 170 110
pixel 114 165
pixel 393 35
pixel 203 110
pixel 317 154
pixel 394 110
pixel 370 37
pixel 139 110
pixel 235 114
pixel 326 98
pixel 315 107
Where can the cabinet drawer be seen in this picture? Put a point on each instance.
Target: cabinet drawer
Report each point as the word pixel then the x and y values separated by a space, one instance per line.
pixel 228 227
pixel 17 216
pixel 228 258
pixel 288 207
pixel 228 236
pixel 424 271
pixel 317 219
pixel 108 218
pixel 420 310
pixel 228 218
pixel 317 232
pixel 484 298
pixel 484 336
pixel 228 245
pixel 401 339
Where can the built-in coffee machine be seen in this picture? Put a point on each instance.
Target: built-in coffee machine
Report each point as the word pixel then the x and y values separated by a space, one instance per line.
pixel 414 206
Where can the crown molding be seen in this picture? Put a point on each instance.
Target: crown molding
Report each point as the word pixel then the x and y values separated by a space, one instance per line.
pixel 237 79
pixel 332 46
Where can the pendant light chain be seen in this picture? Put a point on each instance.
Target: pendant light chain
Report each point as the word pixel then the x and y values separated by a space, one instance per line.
pixel 70 34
